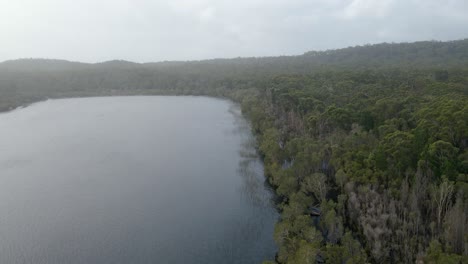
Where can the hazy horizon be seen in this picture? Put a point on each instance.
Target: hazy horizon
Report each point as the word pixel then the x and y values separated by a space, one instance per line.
pixel 218 58
pixel 182 30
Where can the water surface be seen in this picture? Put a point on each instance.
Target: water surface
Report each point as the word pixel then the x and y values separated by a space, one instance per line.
pixel 132 180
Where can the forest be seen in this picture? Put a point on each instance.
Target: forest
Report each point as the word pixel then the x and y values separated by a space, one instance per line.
pixel 374 136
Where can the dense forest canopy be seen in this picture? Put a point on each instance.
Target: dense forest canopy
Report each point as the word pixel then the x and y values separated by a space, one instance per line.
pixel 374 136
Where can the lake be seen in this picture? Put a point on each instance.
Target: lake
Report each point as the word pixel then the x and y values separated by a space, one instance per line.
pixel 144 179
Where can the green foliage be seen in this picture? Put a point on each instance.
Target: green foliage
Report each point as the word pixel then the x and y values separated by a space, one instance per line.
pixel 436 255
pixel 297 239
pixel 270 145
pixel 443 158
pixel 398 146
pixel 305 254
pixel 316 184
pixel 445 119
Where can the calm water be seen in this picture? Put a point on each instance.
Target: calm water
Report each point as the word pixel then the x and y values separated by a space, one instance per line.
pixel 132 180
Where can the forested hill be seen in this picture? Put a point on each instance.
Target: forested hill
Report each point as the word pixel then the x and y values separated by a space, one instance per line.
pixel 375 136
pixel 27 80
pixel 40 65
pixel 419 54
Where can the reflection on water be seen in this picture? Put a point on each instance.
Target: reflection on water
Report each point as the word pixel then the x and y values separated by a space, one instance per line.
pixel 132 180
pixel 250 166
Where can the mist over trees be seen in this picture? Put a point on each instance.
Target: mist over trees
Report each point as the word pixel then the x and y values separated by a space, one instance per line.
pixel 375 136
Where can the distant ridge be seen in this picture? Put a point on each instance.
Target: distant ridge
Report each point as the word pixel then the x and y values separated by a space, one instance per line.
pixel 42 65
pixel 417 54
pixel 439 52
pixel 117 63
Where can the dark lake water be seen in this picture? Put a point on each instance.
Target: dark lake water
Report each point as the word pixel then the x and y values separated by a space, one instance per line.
pixel 132 180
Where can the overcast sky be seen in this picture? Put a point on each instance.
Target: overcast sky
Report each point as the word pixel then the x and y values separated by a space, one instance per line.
pixel 154 30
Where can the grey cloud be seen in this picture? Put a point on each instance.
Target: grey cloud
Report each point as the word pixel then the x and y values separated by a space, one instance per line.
pixel 145 30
